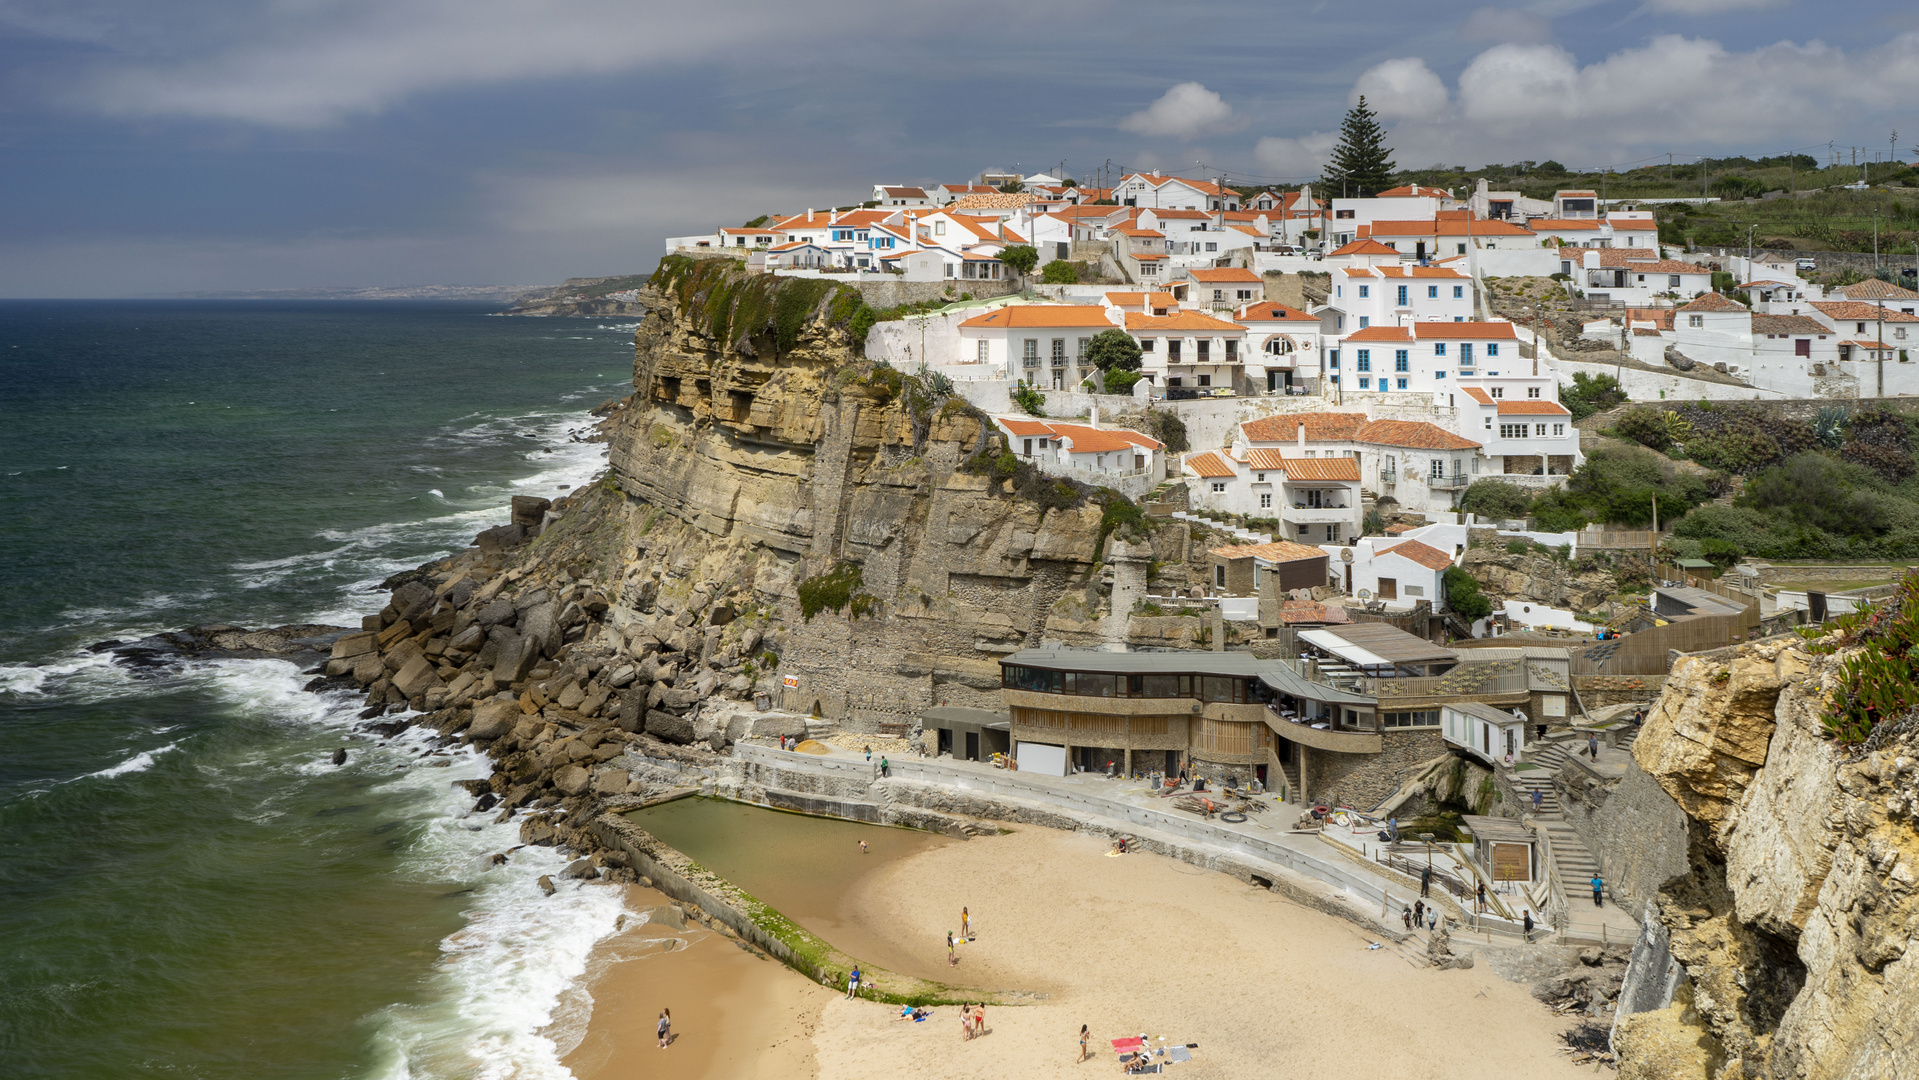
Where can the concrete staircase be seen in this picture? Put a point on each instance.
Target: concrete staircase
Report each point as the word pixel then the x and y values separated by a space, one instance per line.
pixel 1574 862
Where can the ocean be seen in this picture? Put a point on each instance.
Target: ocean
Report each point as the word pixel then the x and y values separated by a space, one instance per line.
pixel 188 886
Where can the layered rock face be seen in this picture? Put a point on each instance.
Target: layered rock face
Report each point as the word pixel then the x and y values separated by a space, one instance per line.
pixel 1794 917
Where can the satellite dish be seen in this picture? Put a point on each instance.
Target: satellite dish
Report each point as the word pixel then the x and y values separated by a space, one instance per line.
pixel 1365 594
pixel 1345 554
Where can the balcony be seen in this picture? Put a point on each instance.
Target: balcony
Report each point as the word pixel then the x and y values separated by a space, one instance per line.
pixel 1345 741
pixel 1316 515
pixel 1451 482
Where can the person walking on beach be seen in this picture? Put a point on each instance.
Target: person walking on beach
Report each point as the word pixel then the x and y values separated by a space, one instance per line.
pixel 853 982
pixel 1406 916
pixel 1598 885
pixel 979 1019
pixel 1082 1045
pixel 862 847
pixel 1529 927
pixel 951 958
pixel 666 1027
pixel 1432 919
pixel 966 924
pixel 884 766
pixel 1419 912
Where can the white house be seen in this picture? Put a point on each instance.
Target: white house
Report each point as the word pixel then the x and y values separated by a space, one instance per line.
pixel 1858 322
pixel 1526 434
pixel 889 195
pixel 1283 347
pixel 944 194
pixel 1400 573
pixel 1173 193
pixel 1188 354
pixel 1878 293
pixel 1632 275
pixel 1413 203
pixel 1385 295
pixel 1041 344
pixel 1490 734
pixel 1316 500
pixel 1421 465
pixel 1216 289
pixel 1085 452
pixel 1424 358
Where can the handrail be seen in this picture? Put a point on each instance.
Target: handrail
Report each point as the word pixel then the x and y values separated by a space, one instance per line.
pixel 1558 912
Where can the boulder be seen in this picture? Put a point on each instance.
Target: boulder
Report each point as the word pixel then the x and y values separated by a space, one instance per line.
pixel 581 869
pixel 497 613
pixel 540 625
pixel 352 645
pixel 546 885
pixel 515 660
pixel 669 728
pixel 417 677
pixel 494 719
pixel 368 668
pixel 749 643
pixel 529 511
pixel 620 676
pixel 571 695
pixel 469 640
pixel 610 780
pixel 572 779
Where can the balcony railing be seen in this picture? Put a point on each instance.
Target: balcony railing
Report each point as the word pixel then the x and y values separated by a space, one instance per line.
pixel 1456 480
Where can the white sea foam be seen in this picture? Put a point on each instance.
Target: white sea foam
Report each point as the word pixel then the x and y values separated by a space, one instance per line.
pixel 82 676
pixel 139 762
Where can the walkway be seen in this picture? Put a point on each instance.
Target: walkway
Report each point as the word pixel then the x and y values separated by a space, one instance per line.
pixel 1574 862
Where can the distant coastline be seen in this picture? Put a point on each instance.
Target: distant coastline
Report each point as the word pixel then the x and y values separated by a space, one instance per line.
pixel 489 293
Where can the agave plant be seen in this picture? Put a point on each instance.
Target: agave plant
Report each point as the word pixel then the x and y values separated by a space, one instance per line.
pixel 1829 426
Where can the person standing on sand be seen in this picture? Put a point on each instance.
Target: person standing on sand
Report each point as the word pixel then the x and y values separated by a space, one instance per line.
pixel 862 847
pixel 666 1027
pixel 853 983
pixel 1082 1045
pixel 1419 912
pixel 966 1020
pixel 951 959
pixel 966 924
pixel 979 1019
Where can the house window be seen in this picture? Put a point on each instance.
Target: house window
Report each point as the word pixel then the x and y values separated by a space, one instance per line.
pixel 1148 344
pixel 1498 391
pixel 1059 352
pixel 1441 374
pixel 939 228
pixel 1232 351
pixel 1400 362
pixel 1261 477
pixel 1332 533
pixel 1211 246
pixel 1081 355
pixel 1342 214
pixel 1365 359
pixel 1492 350
pixel 1172 350
pixel 1032 352
pixel 1672 281
pixel 1462 249
pixel 1365 384
pixel 1332 360
pixel 1265 500
pixel 1245 294
pixel 1695 320
pixel 1559 431
pixel 1364 290
pixel 1402 384
pixel 1365 321
pixel 1439 348
pixel 1512 431
pixel 982 350
pixel 1532 392
pixel 1205 380
pixel 1219 486
pixel 1432 292
pixel 1539 430
pixel 1205 350
pixel 1465 354
pixel 1402 296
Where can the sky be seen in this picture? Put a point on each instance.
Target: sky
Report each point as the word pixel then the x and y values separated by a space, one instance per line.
pixel 152 148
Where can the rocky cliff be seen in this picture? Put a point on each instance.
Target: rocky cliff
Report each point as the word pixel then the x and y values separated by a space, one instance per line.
pixel 1795 912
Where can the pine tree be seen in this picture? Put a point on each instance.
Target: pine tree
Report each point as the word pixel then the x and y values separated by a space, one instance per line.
pixel 1362 165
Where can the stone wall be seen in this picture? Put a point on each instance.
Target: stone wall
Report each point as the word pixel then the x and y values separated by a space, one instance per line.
pixel 1635 830
pixel 1364 780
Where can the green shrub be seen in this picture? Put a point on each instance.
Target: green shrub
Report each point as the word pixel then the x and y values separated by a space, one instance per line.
pixel 1877 683
pixel 1496 499
pixel 1029 399
pixel 837 590
pixel 1121 382
pixel 1113 350
pixel 1020 257
pixel 1589 394
pixel 1059 272
pixel 1464 596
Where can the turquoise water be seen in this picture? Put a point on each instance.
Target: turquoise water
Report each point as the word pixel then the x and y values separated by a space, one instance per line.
pixel 189 888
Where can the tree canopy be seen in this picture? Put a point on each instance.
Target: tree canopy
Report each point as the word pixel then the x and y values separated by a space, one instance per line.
pixel 1362 162
pixel 1021 257
pixel 1113 350
pixel 1059 272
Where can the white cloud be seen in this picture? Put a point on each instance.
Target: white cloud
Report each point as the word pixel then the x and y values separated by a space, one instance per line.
pixel 1301 156
pixel 315 62
pixel 1709 7
pixel 1187 110
pixel 1684 94
pixel 1403 89
pixel 647 202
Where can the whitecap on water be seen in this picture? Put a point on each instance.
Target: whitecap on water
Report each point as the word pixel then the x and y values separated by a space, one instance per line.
pixel 139 762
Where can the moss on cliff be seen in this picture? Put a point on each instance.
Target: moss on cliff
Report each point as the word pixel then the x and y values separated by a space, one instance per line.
pixel 729 304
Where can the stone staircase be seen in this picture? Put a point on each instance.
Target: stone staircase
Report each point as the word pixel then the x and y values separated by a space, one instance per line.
pixel 1573 861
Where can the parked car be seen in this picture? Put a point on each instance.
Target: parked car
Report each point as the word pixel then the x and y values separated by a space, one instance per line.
pixel 1806 264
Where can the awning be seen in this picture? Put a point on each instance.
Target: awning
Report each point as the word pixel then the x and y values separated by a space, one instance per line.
pixel 1345 650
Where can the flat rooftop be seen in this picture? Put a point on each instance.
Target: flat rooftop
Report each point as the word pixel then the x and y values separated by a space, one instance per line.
pixel 1384 644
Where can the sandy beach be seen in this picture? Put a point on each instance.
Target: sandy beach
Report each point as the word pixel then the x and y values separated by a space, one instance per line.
pixel 1129 945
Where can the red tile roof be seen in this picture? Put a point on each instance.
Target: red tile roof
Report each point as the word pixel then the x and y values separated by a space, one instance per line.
pixel 1463 331
pixel 1320 427
pixel 1788 324
pixel 1209 464
pixel 1274 311
pixel 1041 315
pixel 1424 554
pixel 1365 247
pixel 1533 408
pixel 1712 301
pixel 1874 289
pixel 1090 440
pixel 1856 310
pixel 1276 552
pixel 1179 320
pixel 1380 333
pixel 1478 395
pixel 1238 275
pixel 1413 435
pixel 1303 468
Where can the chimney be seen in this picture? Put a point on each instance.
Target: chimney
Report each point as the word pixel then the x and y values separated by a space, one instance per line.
pixel 833 218
pixel 1302 438
pixel 809 215
pixel 1092 416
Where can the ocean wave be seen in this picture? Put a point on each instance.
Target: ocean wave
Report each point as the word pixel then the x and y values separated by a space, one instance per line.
pixel 82 676
pixel 139 762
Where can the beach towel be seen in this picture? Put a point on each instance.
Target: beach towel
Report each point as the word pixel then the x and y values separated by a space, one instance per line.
pixel 1129 1043
pixel 1180 1053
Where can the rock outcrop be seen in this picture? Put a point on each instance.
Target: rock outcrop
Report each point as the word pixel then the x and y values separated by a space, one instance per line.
pixel 1794 917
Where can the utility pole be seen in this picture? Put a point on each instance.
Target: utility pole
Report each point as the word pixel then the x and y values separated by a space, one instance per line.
pixel 1875 238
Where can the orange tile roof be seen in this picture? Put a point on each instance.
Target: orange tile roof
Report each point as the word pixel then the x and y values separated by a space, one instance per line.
pixel 1320 427
pixel 1088 440
pixel 1302 468
pixel 905 192
pixel 1853 309
pixel 1365 247
pixel 1660 317
pixel 1533 408
pixel 1551 225
pixel 1181 320
pixel 998 200
pixel 1478 395
pixel 1274 311
pixel 1309 611
pixel 1380 333
pixel 1402 228
pixel 1633 224
pixel 1141 257
pixel 1481 227
pixel 1424 554
pixel 1874 289
pixel 1025 427
pixel 1041 315
pixel 1413 435
pixel 1395 530
pixel 1788 324
pixel 1210 465
pixel 1414 191
pixel 1276 552
pixel 1129 231
pixel 1875 346
pixel 1179 215
pixel 1712 301
pixel 1574 191
pixel 1463 331
pixel 1227 275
